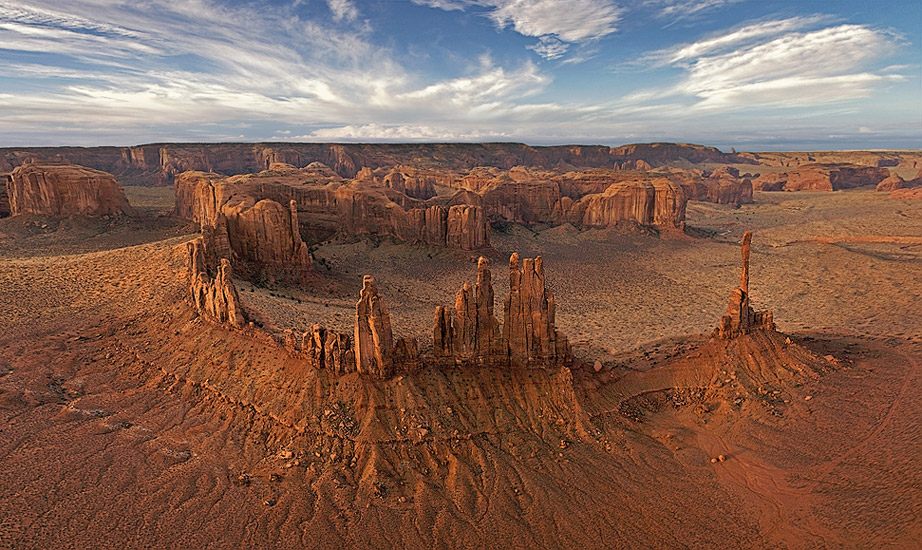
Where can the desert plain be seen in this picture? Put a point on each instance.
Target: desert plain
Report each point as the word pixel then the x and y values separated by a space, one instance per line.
pixel 132 417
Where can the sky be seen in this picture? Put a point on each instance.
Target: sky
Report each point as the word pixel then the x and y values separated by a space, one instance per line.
pixel 756 75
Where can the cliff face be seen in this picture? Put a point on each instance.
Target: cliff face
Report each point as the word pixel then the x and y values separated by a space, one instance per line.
pixel 328 204
pixel 57 189
pixel 157 164
pixel 822 177
pixel 4 195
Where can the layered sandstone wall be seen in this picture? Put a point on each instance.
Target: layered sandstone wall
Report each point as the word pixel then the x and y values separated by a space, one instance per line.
pixel 59 189
pixel 158 164
pixel 821 177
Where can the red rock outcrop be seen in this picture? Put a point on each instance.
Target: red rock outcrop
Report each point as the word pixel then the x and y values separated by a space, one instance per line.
pixel 658 202
pixel 822 177
pixel 60 189
pixel 740 318
pixel 213 291
pixel 892 183
pixel 323 349
pixel 909 193
pixel 376 352
pixel 470 332
pixel 528 317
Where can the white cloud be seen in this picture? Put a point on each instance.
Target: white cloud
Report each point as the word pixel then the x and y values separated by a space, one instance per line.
pixel 677 10
pixel 375 132
pixel 343 10
pixel 554 22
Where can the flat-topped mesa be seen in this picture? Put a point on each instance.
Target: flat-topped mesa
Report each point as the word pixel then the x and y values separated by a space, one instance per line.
pixel 376 352
pixel 63 189
pixel 215 296
pixel 470 332
pixel 528 312
pixel 740 317
pixel 261 240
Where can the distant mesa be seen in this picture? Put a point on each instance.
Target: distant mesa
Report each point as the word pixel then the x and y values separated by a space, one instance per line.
pixel 61 189
pixel 821 177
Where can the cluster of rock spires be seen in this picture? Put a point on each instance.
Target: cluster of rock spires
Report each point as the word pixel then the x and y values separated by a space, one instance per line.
pixel 61 189
pixel 470 334
pixel 740 318
pixel 213 291
pixel 467 334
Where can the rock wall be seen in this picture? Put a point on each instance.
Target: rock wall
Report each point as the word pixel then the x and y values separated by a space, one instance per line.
pixel 213 291
pixel 59 189
pixel 821 177
pixel 740 317
pixel 158 164
pixel 5 180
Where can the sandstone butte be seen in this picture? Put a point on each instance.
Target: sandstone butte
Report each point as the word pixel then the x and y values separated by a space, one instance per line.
pixel 821 177
pixel 62 189
pixel 370 204
pixel 460 205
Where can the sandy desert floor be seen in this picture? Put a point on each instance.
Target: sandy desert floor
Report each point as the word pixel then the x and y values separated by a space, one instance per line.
pixel 126 422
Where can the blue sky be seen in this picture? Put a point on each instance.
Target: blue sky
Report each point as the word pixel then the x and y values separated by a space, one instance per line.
pixel 755 75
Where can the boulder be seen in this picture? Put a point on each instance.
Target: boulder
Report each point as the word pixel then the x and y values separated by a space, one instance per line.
pixel 63 189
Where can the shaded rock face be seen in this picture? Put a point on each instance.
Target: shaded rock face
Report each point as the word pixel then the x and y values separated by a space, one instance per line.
pixel 410 182
pixel 740 317
pixel 59 189
pixel 470 334
pixel 5 180
pixel 213 292
pixel 822 177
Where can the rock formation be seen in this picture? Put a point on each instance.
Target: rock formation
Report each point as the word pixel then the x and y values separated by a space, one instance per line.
pixel 740 317
pixel 158 164
pixel 376 351
pixel 892 183
pixel 821 177
pixel 261 240
pixel 61 189
pixel 323 349
pixel 470 332
pixel 213 292
pixel 528 317
pixel 5 180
